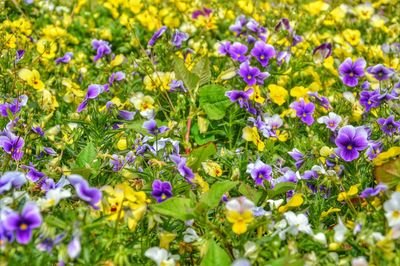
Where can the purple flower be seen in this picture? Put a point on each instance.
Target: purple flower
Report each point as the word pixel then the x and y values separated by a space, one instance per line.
pixel 331 121
pixel 151 127
pixel 183 169
pixel 177 85
pixel 239 96
pixel 374 148
pixel 304 111
pixel 297 156
pixel 11 179
pixel 126 115
pixel 102 48
pixel 13 107
pixel 389 125
pixel 89 194
pixel 205 12
pixel 94 90
pixel 117 162
pixel 283 56
pixel 380 72
pixel 370 99
pixel 19 54
pixel 48 243
pixel 322 52
pixel 252 75
pixel 239 24
pixel 38 130
pixel 65 59
pixel 33 174
pixel 320 100
pixel 372 192
pixel 259 171
pixel 24 223
pixel 161 190
pixel 350 141
pixel 224 48
pixel 156 36
pixel 283 24
pixel 117 76
pixel 12 144
pixel 350 71
pixel 178 37
pixel 263 52
pixel 74 247
pixel 5 235
pixel 237 52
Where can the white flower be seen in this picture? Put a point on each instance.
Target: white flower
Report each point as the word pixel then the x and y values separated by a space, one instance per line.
pixel 160 256
pixel 321 238
pixel 274 204
pixel 297 223
pixel 359 261
pixel 392 209
pixel 190 235
pixel 240 204
pixel 340 232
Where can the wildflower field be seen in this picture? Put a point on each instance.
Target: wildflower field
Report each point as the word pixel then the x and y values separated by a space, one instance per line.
pixel 213 133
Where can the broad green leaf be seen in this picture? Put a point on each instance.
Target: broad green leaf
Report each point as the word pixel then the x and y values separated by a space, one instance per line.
pixel 281 188
pixel 190 80
pixel 86 156
pixel 213 196
pixel 213 101
pixel 202 69
pixel 199 138
pixel 200 154
pixel 293 261
pixel 250 192
pixel 215 256
pixel 179 208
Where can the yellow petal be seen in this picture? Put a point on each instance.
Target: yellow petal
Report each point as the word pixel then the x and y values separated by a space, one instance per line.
pixel 25 74
pixel 119 59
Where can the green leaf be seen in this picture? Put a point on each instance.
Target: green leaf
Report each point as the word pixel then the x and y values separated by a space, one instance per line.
pixel 213 101
pixel 56 222
pixel 293 261
pixel 190 80
pixel 215 255
pixel 86 157
pixel 200 154
pixel 281 188
pixel 250 192
pixel 202 69
pixel 213 196
pixel 179 208
pixel 199 138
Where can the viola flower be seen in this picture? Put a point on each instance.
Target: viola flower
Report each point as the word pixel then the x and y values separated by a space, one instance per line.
pixel 259 171
pixel 11 179
pixel 304 111
pixel 283 24
pixel 102 48
pixel 183 169
pixel 372 192
pixel 65 59
pixel 248 73
pixel 23 224
pixel 380 72
pixel 178 37
pixel 297 223
pixel 177 85
pixel 38 130
pixel 332 121
pixel 224 48
pixel 238 27
pixel 350 141
pixel 370 99
pixel 13 107
pixel 322 52
pixel 89 194
pixel 351 71
pixel 263 52
pixel 298 157
pixel 126 115
pixel 251 134
pixel 205 12
pixel 283 56
pixel 33 174
pixel 239 96
pixel 32 78
pixel 94 90
pixel 160 256
pixel 18 55
pixel 237 52
pixel 389 125
pixel 161 190
pixel 117 76
pixel 392 209
pixel 12 144
pixel 151 127
pixel 240 214
pixel 156 36
pixel 374 148
pixel 48 243
pixel 320 100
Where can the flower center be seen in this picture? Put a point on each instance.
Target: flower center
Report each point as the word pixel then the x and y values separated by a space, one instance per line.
pixel 304 115
pixel 248 76
pixel 262 57
pixel 23 226
pixel 163 196
pixel 331 124
pixel 349 147
pixel 396 214
pixel 351 74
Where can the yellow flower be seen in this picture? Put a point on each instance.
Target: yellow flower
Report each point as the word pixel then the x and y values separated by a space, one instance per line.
pixel 46 48
pixel 330 65
pixel 294 202
pixel 386 156
pixel 298 92
pixel 315 8
pixel 10 40
pixel 352 36
pixel 32 78
pixel 141 102
pixel 166 238
pixel 119 59
pixel 239 220
pixel 201 182
pixel 251 134
pixel 277 94
pixel 212 168
pixel 353 191
pixel 331 210
pixel 122 144
pixel 364 11
pixel 256 95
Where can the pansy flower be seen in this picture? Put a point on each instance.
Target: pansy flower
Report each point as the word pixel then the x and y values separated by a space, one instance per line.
pixel 263 52
pixel 350 141
pixel 351 71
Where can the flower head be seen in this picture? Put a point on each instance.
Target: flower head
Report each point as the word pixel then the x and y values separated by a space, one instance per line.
pixel 389 125
pixel 102 48
pixel 350 141
pixel 263 52
pixel 380 72
pixel 260 172
pixel 332 121
pixel 161 190
pixel 351 71
pixel 304 111
pixel 89 194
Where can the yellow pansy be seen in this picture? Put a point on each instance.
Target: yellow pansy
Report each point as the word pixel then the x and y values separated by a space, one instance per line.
pixel 122 144
pixel 326 213
pixel 298 92
pixel 46 48
pixel 364 11
pixel 118 60
pixel 294 202
pixel 277 94
pixel 316 7
pixel 386 156
pixel 32 77
pixel 212 168
pixel 353 191
pixel 251 134
pixel 352 36
pixel 239 220
pixel 256 95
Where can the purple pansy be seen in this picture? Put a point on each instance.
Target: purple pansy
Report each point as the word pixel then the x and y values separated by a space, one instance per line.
pixel 298 156
pixel 157 35
pixel 161 190
pixel 237 51
pixel 239 96
pixel 126 115
pixel 19 54
pixel 331 121
pixel 183 169
pixel 380 72
pixel 351 71
pixel 23 223
pixel 151 127
pixel 205 12
pixel 177 85
pixel 304 111
pixel 350 141
pixel 38 130
pixel 116 76
pixel 370 99
pixel 389 125
pixel 89 194
pixel 224 48
pixel 12 144
pixel 178 37
pixel 372 192
pixel 33 174
pixel 238 27
pixel 102 48
pixel 94 90
pixel 252 75
pixel 374 148
pixel 13 107
pixel 11 179
pixel 263 52
pixel 322 52
pixel 65 59
pixel 259 171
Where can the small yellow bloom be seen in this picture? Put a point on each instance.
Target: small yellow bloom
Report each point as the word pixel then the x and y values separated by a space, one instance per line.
pixel 353 191
pixel 277 94
pixel 118 60
pixel 201 182
pixel 326 213
pixel 239 220
pixel 352 36
pixel 298 92
pixel 294 202
pixel 251 134
pixel 122 144
pixel 32 78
